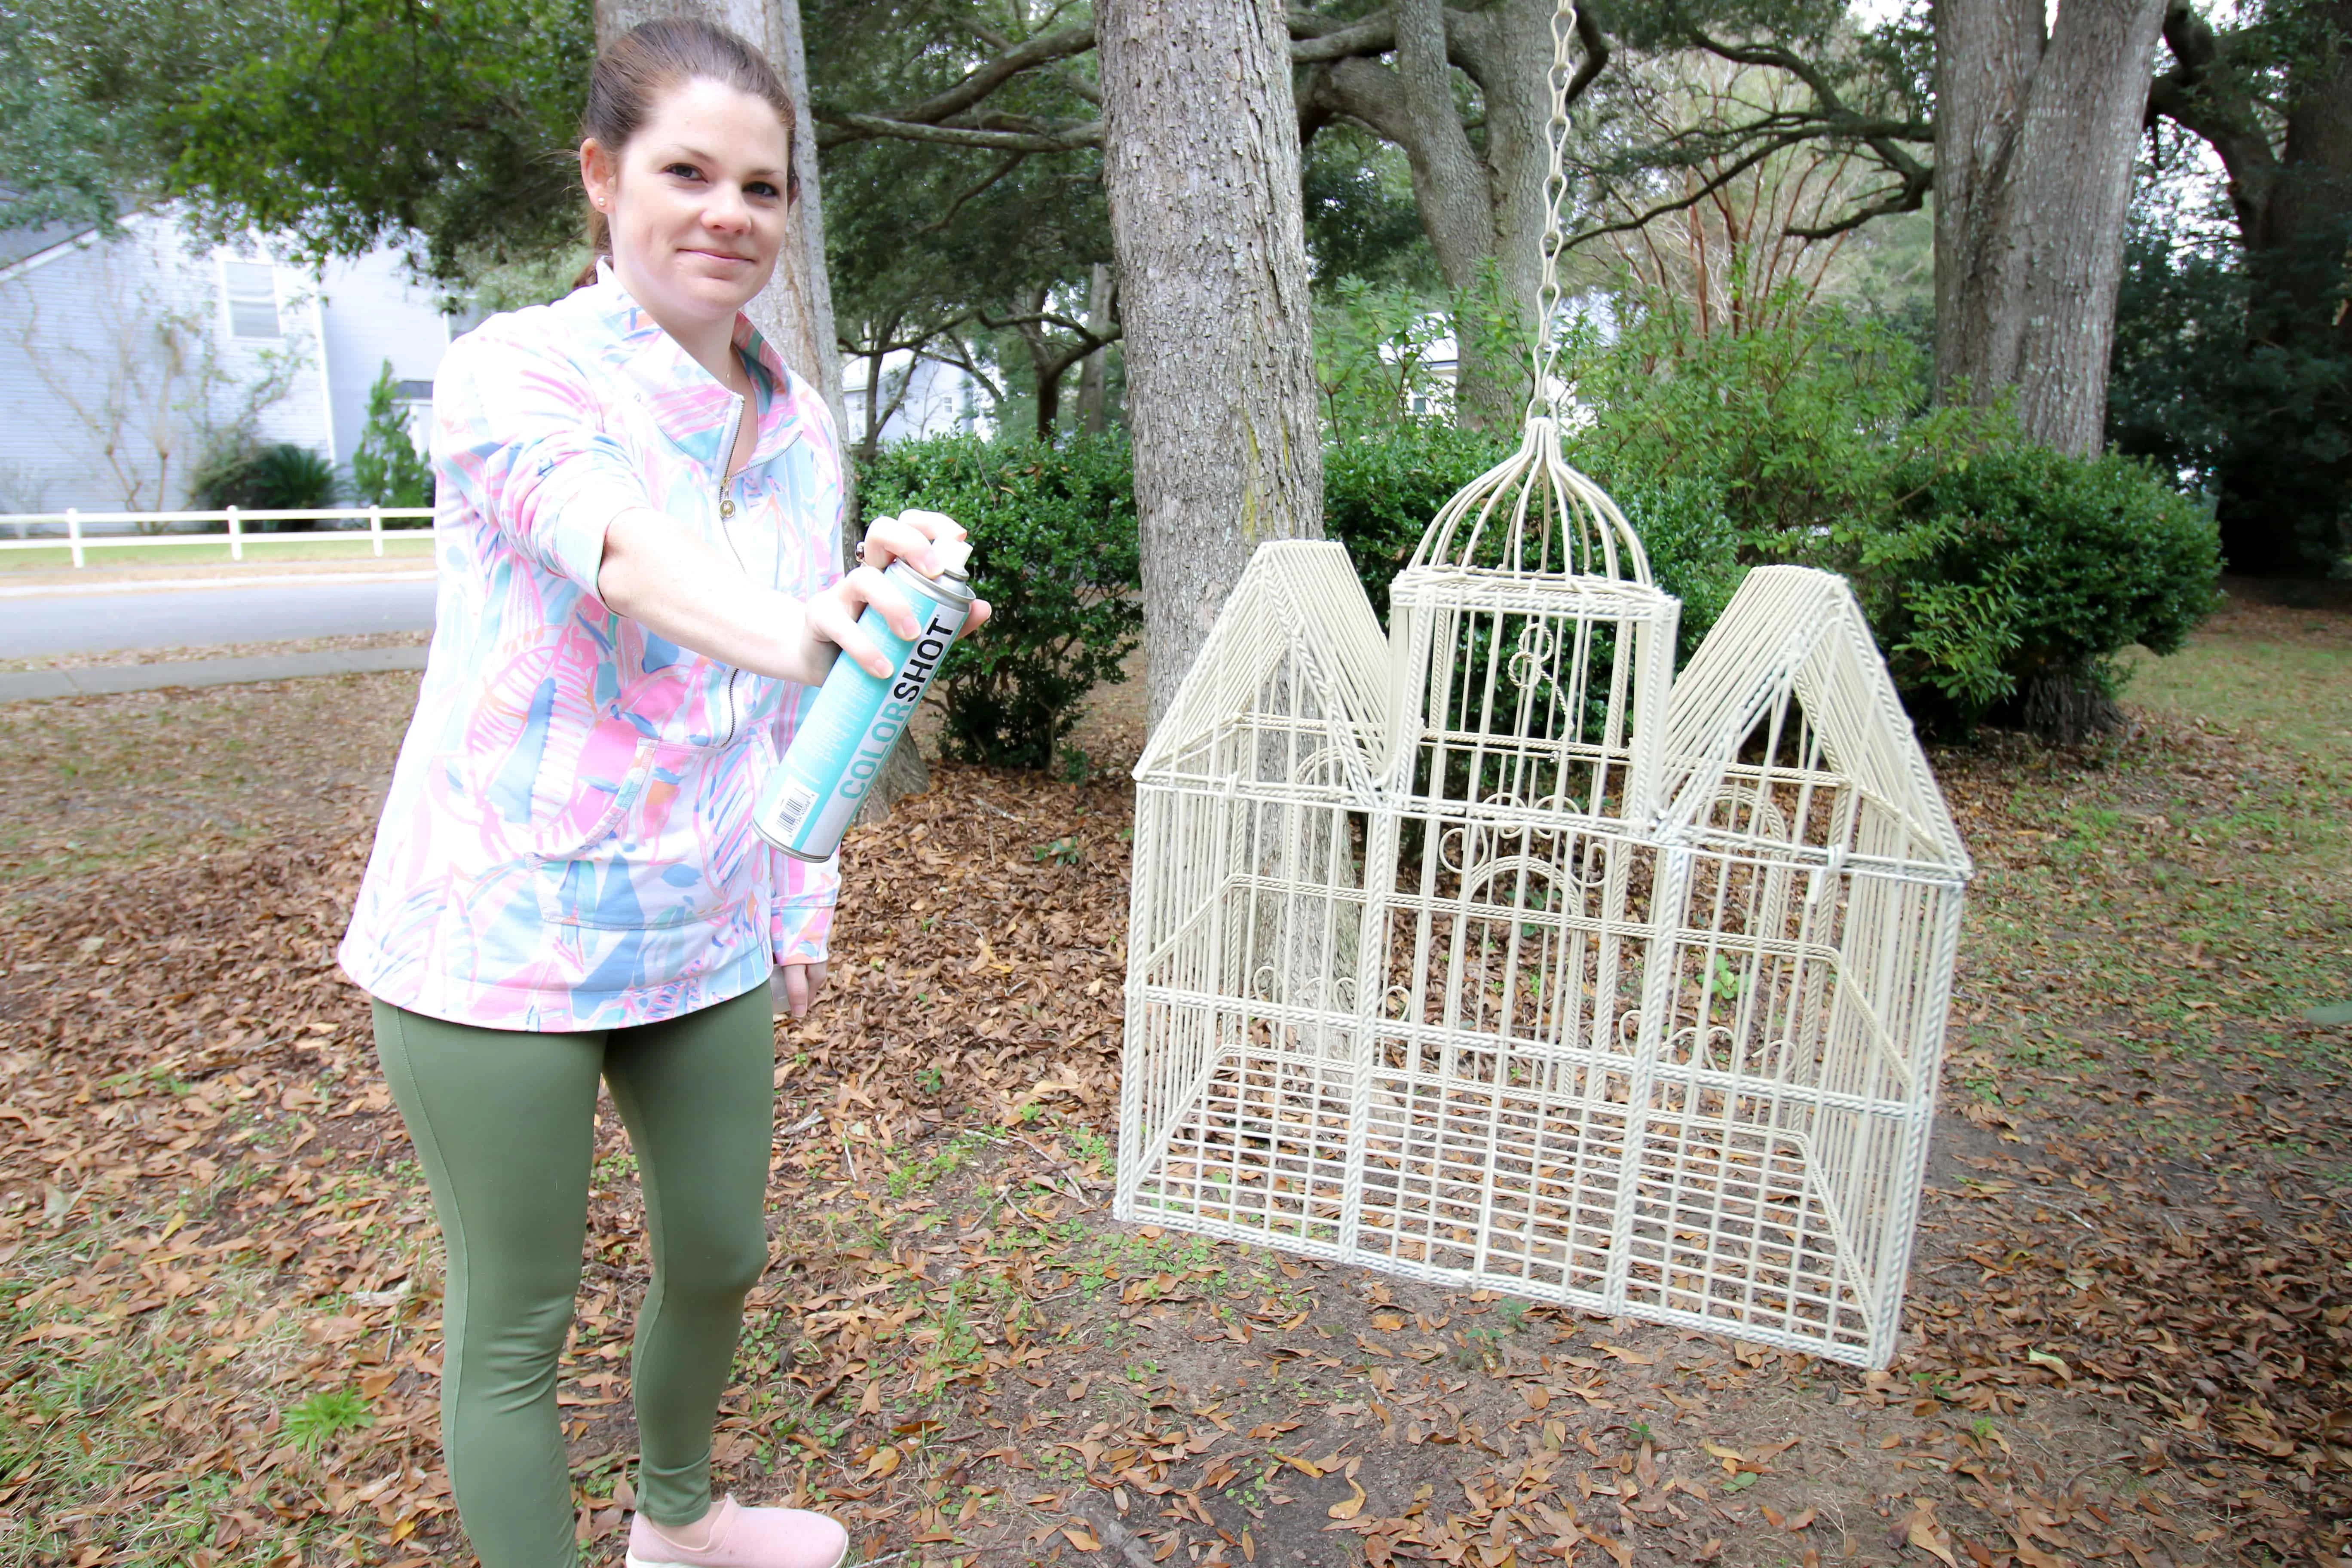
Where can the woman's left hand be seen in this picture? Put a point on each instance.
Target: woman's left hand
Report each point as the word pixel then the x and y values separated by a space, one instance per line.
pixel 801 982
pixel 908 537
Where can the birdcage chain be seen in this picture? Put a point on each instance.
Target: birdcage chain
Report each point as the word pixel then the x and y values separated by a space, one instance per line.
pixel 1556 83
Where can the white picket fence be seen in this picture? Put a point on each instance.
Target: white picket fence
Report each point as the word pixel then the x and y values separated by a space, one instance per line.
pixel 232 520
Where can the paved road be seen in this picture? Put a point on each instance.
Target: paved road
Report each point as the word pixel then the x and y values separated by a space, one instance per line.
pixel 87 623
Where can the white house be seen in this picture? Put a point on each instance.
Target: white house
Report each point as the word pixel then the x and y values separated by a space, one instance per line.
pixel 121 357
pixel 930 399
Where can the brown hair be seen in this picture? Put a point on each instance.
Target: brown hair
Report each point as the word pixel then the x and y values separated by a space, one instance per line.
pixel 651 58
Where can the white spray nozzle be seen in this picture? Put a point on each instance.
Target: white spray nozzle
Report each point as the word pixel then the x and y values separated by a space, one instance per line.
pixel 951 554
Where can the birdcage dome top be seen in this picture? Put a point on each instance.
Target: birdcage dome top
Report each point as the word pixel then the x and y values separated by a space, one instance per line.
pixel 1532 515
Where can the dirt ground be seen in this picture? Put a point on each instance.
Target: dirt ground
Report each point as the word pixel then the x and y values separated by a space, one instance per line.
pixel 2127 1338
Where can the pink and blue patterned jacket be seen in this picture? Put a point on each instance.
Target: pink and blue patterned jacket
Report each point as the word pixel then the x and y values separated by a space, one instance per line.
pixel 568 840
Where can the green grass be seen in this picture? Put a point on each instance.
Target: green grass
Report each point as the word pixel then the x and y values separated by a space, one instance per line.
pixel 2297 695
pixel 406 545
pixel 2194 904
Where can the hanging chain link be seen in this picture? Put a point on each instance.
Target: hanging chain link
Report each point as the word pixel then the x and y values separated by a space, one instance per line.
pixel 1547 350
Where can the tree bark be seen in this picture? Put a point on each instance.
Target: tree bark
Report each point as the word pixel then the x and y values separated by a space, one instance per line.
pixel 1201 163
pixel 2035 137
pixel 2286 497
pixel 1506 50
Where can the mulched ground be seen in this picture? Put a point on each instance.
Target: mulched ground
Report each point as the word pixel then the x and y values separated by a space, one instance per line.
pixel 219 1322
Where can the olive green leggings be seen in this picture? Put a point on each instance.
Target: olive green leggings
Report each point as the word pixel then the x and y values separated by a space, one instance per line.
pixel 504 1122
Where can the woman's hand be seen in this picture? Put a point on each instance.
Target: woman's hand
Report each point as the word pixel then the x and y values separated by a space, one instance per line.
pixel 908 537
pixel 798 985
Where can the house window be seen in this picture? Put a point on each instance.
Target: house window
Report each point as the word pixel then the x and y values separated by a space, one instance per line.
pixel 252 290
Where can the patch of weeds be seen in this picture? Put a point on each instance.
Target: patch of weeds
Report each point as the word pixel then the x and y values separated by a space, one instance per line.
pixel 1480 1348
pixel 1063 851
pixel 326 1416
pixel 927 1171
pixel 1093 1149
pixel 951 1341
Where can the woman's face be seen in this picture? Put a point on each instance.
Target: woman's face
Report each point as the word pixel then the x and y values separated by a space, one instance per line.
pixel 695 202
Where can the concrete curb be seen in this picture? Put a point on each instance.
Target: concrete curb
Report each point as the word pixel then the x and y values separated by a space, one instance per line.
pixel 95 680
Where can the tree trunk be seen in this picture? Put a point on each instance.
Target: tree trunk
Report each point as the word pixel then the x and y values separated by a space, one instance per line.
pixel 1482 211
pixel 1200 164
pixel 2035 139
pixel 1506 50
pixel 1093 370
pixel 1049 369
pixel 2287 489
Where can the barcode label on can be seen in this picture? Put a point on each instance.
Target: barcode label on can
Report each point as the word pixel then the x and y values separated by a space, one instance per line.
pixel 793 808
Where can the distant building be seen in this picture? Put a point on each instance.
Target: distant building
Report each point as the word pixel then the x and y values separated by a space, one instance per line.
pixel 122 358
pixel 917 398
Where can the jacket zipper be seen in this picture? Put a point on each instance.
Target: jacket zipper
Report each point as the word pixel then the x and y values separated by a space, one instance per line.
pixel 725 513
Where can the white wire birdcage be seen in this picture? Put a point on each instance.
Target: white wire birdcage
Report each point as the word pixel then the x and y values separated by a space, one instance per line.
pixel 1681 1066
pixel 1491 953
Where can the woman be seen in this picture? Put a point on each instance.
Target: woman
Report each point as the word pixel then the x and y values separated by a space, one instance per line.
pixel 638 509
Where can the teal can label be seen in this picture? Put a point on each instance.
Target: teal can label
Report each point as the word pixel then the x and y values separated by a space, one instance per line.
pixel 846 737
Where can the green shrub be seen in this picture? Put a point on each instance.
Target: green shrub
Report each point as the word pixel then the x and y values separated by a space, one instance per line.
pixel 1056 553
pixel 2009 583
pixel 2000 578
pixel 1382 484
pixel 1803 428
pixel 388 470
pixel 282 477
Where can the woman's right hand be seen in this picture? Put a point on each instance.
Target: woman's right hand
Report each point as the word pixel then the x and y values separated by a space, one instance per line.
pixel 832 615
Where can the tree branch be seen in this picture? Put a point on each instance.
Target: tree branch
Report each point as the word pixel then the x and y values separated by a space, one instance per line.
pixel 914 344
pixel 1907 198
pixel 1012 161
pixel 1315 40
pixel 1044 49
pixel 1596 53
pixel 1049 319
pixel 1837 122
pixel 866 127
pixel 964 360
pixel 1713 183
pixel 2195 96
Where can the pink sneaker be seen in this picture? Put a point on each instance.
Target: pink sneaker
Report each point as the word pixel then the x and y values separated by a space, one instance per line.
pixel 733 1536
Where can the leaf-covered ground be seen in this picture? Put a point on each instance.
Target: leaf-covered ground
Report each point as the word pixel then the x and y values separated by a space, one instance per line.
pixel 219 1300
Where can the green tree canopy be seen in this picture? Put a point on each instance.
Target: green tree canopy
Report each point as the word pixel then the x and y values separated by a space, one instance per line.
pixel 361 119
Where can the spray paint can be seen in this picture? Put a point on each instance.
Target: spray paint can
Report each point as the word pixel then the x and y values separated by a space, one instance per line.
pixel 847 734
